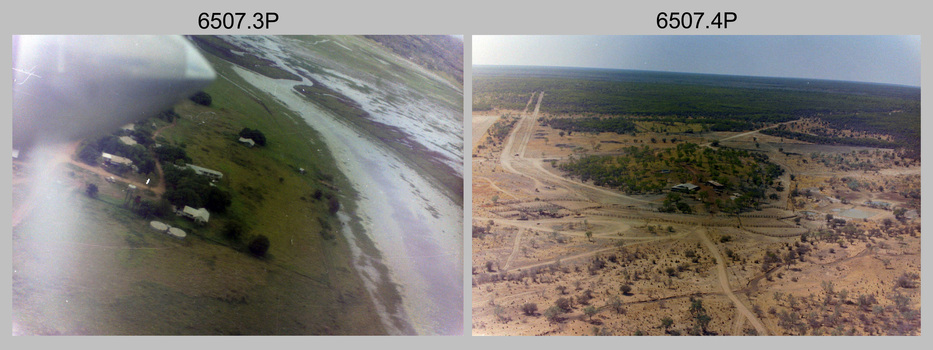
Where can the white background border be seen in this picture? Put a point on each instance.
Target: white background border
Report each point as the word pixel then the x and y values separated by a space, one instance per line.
pixel 468 17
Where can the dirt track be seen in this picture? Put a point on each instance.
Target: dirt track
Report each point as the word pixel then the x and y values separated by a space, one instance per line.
pixel 726 287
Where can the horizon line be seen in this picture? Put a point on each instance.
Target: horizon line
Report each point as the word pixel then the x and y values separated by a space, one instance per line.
pixel 701 73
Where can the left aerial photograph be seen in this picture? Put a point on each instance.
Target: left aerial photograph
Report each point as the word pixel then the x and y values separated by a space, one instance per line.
pixel 237 185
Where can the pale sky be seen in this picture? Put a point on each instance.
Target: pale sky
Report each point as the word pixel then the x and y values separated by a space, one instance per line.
pixel 879 59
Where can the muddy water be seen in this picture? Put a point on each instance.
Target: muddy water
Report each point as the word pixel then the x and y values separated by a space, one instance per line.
pixel 416 228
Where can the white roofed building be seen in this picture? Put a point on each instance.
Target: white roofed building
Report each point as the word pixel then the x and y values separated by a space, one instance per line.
pixel 127 140
pixel 248 142
pixel 114 159
pixel 213 174
pixel 200 215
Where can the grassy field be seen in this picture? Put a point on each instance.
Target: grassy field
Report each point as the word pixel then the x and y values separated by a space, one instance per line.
pixel 270 195
pixel 121 277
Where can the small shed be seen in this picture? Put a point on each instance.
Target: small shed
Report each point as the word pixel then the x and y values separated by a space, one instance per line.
pixel 685 188
pixel 200 215
pixel 248 142
pixel 127 140
pixel 115 159
pixel 716 185
pixel 212 174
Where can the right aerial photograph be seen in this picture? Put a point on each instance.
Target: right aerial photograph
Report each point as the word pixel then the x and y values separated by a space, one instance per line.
pixel 696 185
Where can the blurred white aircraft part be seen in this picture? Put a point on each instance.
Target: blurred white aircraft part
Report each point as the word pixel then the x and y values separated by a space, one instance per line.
pixel 70 87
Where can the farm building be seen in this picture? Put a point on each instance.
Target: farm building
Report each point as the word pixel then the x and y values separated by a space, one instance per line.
pixel 127 140
pixel 213 174
pixel 685 188
pixel 248 142
pixel 114 159
pixel 200 215
pixel 716 185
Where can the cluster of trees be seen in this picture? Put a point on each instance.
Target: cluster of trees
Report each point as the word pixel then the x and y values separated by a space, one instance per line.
pixel 645 170
pixel 169 154
pixel 235 230
pixel 481 105
pixel 673 202
pixel 698 314
pixel 184 187
pixel 781 131
pixel 617 125
pixel 903 125
pixel 138 153
pixel 501 128
pixel 501 92
pixel 202 98
pixel 854 161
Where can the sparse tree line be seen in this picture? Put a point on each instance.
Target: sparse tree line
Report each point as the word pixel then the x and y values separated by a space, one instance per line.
pixel 829 140
pixel 501 128
pixel 864 160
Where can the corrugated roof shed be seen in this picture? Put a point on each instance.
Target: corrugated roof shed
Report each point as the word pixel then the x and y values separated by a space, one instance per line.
pixel 197 214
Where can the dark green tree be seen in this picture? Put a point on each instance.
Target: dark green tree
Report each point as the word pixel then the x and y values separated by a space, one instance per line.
pixel 201 98
pixel 530 309
pixel 554 314
pixel 89 154
pixel 700 317
pixel 91 190
pixel 564 304
pixel 259 246
pixel 589 311
pixel 234 229
pixel 256 135
pixel 667 323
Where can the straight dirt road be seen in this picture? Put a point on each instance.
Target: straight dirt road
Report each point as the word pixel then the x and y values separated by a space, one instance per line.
pixel 724 283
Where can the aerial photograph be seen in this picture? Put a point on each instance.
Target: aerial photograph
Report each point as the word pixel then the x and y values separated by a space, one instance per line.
pixel 695 185
pixel 237 185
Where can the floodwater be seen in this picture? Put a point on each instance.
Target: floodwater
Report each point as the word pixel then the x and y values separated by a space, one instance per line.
pixel 416 228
